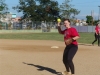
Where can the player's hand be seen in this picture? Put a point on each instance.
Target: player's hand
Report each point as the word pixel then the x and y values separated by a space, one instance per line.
pixel 58 24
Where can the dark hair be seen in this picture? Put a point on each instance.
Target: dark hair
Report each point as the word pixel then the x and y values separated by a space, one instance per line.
pixel 67 20
pixel 96 24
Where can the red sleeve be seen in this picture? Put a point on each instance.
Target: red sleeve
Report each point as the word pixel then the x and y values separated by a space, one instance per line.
pixel 74 32
pixel 62 32
pixel 96 29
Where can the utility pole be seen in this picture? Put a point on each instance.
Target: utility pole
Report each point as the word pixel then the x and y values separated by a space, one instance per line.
pixel 99 14
pixel 92 14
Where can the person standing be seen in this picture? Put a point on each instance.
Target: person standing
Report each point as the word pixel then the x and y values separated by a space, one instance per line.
pixel 97 34
pixel 70 48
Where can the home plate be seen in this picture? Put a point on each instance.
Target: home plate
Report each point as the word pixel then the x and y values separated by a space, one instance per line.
pixel 54 47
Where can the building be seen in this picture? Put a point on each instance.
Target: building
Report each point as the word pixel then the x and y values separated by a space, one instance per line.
pixel 8 17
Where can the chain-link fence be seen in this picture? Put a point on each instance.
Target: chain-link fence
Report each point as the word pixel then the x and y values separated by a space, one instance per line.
pixel 41 27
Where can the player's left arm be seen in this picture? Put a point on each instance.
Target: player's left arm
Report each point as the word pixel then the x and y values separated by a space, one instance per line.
pixel 76 37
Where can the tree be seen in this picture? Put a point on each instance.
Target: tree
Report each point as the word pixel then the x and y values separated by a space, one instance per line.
pixel 28 7
pixel 95 22
pixel 67 10
pixel 36 10
pixel 51 8
pixel 3 8
pixel 89 20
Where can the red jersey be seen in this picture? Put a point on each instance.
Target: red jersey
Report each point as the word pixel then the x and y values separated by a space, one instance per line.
pixel 70 33
pixel 97 28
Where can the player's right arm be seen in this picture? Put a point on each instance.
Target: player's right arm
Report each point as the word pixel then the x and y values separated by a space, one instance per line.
pixel 59 28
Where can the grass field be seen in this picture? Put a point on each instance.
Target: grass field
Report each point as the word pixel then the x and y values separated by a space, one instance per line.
pixel 84 37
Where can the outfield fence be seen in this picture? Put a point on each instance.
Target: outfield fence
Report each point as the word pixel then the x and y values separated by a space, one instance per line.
pixel 39 27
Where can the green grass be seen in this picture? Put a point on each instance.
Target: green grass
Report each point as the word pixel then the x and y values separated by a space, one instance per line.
pixel 33 36
pixel 84 37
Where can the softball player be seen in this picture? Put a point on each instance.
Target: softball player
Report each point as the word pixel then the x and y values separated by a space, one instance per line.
pixel 97 34
pixel 70 49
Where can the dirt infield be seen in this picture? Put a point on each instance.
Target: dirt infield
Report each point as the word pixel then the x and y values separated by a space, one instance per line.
pixel 36 57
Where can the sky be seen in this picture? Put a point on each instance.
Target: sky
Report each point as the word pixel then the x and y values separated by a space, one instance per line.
pixel 84 6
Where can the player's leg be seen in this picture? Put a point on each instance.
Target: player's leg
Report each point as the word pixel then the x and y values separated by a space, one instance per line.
pixel 71 54
pixel 95 39
pixel 99 40
pixel 65 55
pixel 68 55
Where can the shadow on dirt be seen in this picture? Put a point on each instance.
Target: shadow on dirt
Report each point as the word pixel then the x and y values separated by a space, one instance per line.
pixel 42 68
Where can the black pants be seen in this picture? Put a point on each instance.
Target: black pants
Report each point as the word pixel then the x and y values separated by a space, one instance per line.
pixel 68 55
pixel 97 38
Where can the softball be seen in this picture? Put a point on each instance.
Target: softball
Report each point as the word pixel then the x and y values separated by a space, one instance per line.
pixel 59 20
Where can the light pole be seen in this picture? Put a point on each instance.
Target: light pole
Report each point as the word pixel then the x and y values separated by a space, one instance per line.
pixel 99 14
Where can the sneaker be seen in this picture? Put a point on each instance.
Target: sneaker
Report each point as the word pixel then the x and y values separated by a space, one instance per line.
pixel 92 44
pixel 65 73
